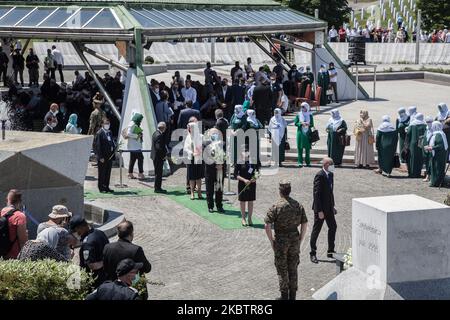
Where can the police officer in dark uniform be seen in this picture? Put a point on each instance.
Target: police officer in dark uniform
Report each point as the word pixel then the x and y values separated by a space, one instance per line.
pixel 286 215
pixel 93 242
pixel 120 289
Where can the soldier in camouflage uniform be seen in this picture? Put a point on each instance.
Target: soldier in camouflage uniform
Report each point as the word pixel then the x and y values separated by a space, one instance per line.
pixel 286 215
pixel 96 118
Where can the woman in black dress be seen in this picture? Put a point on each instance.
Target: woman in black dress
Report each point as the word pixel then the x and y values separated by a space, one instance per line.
pixel 246 174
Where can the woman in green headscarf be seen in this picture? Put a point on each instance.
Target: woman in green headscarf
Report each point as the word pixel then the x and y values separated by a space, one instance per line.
pixel 134 137
pixel 72 125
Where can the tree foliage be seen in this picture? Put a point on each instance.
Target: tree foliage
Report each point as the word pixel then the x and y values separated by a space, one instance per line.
pixel 435 14
pixel 335 12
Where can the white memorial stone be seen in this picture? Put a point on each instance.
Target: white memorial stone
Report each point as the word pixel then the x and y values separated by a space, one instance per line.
pixel 400 250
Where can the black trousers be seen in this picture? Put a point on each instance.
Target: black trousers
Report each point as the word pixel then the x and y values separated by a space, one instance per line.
pixel 210 179
pixel 334 86
pixel 3 71
pixel 136 155
pixel 104 174
pixel 51 73
pixel 61 74
pixel 332 226
pixel 158 164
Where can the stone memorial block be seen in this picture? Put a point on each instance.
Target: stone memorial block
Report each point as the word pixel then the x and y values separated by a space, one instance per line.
pixel 48 168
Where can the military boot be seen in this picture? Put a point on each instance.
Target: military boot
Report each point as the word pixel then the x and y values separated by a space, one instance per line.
pixel 284 296
pixel 292 295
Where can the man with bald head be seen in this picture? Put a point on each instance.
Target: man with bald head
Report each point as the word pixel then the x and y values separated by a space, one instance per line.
pixel 158 155
pixel 323 206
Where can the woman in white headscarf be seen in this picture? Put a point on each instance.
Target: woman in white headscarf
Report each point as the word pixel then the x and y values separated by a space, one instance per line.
pixel 337 129
pixel 412 112
pixel 44 247
pixel 193 146
pixel 426 142
pixel 238 121
pixel 304 122
pixel 278 134
pixel 443 113
pixel 363 131
pixel 439 150
pixel 254 124
pixel 416 130
pixel 386 144
pixel 401 124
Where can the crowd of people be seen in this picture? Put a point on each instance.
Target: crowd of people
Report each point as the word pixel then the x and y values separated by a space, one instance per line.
pixel 115 266
pixel 379 34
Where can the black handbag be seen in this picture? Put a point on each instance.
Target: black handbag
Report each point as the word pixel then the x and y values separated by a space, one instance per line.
pixel 313 136
pixel 396 161
pixel 287 146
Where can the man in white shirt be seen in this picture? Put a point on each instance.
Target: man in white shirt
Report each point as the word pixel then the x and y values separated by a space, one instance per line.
pixel 190 94
pixel 447 36
pixel 59 61
pixel 333 80
pixel 333 34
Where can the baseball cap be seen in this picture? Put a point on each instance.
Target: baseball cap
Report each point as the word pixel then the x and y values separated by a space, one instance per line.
pixel 126 265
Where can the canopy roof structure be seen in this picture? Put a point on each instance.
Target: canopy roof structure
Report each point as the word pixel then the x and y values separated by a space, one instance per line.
pixel 112 20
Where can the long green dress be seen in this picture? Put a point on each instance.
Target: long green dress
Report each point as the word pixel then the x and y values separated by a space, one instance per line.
pixel 415 164
pixel 235 124
pixel 335 147
pixel 323 80
pixel 401 129
pixel 438 162
pixel 386 144
pixel 303 141
pixel 427 155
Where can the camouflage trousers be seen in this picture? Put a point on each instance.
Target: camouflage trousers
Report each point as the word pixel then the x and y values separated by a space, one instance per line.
pixel 287 258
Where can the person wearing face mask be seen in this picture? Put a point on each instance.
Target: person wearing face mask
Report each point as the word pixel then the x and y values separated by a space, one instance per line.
pixel 255 124
pixel 278 134
pixel 238 121
pixel 96 117
pixel 154 92
pixel 337 129
pixel 443 116
pixel 59 219
pixel 51 124
pixel 333 80
pixel 324 208
pixel 72 125
pixel 224 96
pixel 134 138
pixel 307 79
pixel 93 241
pixel 17 225
pixel 54 111
pixel 214 169
pixel 323 81
pixel 104 150
pixel 416 129
pixel 121 288
pixel 438 147
pixel 401 124
pixel 304 122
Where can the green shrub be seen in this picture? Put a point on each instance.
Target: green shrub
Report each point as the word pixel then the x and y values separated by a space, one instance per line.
pixel 43 280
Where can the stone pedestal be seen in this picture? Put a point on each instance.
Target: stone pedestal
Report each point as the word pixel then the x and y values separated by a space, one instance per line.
pixel 48 168
pixel 400 250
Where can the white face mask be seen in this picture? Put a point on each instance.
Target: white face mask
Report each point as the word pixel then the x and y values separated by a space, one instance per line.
pixel 106 126
pixel 331 168
pixel 53 124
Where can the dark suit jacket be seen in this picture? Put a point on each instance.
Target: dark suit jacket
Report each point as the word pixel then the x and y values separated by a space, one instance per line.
pixel 323 193
pixel 237 94
pixel 159 150
pixel 185 114
pixel 115 252
pixel 262 102
pixel 104 147
pixel 224 99
pixel 48 129
pixel 222 125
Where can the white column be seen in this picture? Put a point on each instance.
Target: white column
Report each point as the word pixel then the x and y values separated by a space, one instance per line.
pixel 384 14
pixel 362 13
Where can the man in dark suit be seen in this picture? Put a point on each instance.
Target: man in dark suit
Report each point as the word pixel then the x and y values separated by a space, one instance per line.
pixel 115 252
pixel 323 206
pixel 262 102
pixel 222 125
pixel 158 155
pixel 186 114
pixel 237 95
pixel 224 96
pixel 50 124
pixel 104 148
